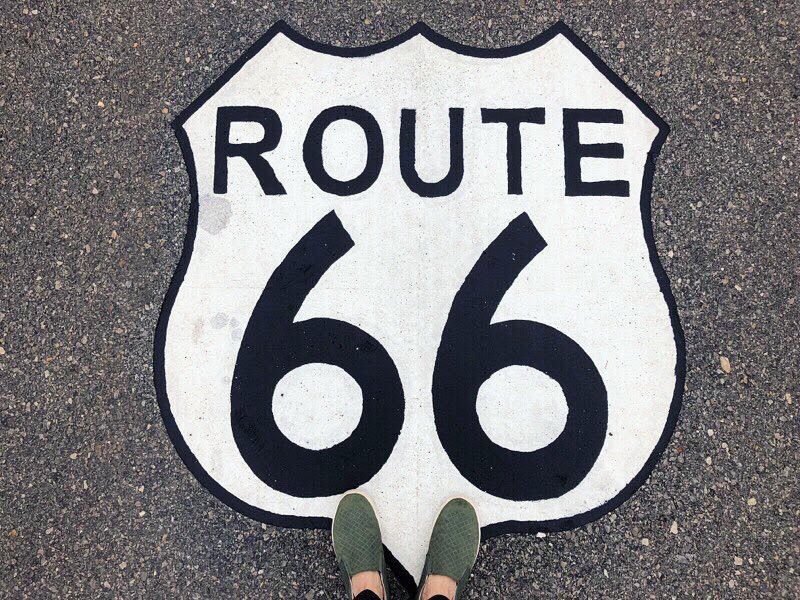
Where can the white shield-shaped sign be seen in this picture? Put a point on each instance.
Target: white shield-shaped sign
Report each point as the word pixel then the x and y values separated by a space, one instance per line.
pixel 423 270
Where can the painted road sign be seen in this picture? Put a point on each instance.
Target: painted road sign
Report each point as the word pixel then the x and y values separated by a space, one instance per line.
pixel 425 270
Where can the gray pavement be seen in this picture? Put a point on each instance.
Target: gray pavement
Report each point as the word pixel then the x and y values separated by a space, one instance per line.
pixel 94 501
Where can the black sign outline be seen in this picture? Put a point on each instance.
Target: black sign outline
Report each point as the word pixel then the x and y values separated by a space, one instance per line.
pixel 159 374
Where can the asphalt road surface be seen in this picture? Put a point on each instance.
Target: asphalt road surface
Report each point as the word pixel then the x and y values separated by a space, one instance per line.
pixel 95 502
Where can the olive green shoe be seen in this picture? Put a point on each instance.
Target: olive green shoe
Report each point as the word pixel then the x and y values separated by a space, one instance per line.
pixel 357 539
pixel 454 544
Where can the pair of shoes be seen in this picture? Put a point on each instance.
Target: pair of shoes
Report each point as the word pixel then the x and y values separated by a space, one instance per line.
pixel 452 551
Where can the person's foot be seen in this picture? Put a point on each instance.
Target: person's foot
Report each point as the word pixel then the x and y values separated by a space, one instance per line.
pixel 358 547
pixel 452 552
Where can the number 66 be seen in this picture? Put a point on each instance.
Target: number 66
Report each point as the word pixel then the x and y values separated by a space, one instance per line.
pixel 471 350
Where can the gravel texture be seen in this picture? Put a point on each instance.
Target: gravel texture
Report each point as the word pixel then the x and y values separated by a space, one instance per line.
pixel 95 503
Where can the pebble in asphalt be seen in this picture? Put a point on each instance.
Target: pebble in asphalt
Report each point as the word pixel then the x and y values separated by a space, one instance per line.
pixel 96 503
